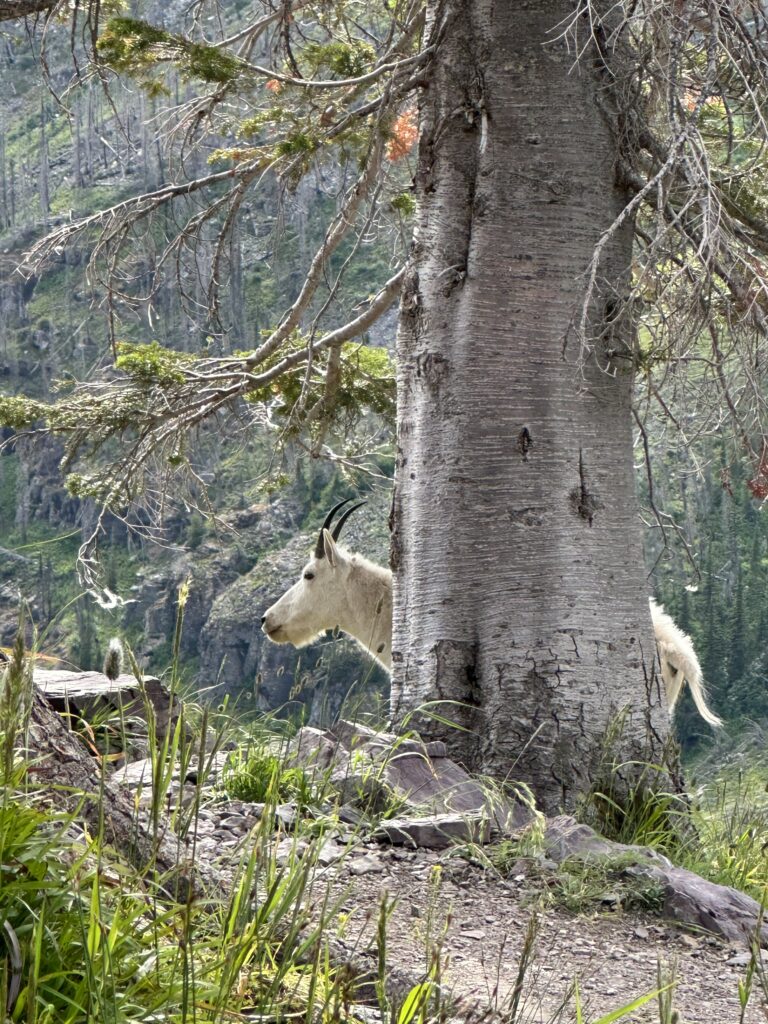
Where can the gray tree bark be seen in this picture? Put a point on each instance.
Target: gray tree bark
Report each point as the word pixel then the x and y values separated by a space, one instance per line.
pixel 10 9
pixel 520 589
pixel 42 179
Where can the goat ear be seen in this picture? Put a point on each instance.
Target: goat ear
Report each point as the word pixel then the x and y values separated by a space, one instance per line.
pixel 329 547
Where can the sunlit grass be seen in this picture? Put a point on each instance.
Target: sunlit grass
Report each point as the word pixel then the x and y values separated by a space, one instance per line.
pixel 101 940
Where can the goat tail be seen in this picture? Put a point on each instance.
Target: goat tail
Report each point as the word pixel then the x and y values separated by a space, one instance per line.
pixel 699 699
pixel 679 663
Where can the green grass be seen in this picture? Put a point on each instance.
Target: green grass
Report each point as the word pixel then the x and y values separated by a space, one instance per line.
pixel 580 887
pixel 101 940
pixel 718 828
pixel 260 776
pixel 730 811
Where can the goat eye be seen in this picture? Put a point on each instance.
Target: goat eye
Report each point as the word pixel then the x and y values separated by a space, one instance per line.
pixel 309 575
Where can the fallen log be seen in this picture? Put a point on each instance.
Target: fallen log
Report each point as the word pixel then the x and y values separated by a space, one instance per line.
pixel 59 763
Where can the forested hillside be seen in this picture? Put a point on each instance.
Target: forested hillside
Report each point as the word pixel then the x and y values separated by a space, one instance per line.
pixel 67 155
pixel 68 149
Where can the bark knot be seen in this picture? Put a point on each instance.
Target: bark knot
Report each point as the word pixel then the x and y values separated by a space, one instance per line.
pixel 583 502
pixel 432 368
pixel 524 443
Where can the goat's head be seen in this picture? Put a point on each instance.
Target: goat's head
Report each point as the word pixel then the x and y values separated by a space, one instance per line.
pixel 317 601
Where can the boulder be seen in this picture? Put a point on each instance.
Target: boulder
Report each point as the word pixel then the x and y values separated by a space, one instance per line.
pixel 381 770
pixel 688 899
pixel 89 695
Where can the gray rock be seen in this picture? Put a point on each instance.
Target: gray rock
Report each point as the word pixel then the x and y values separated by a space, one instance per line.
pixel 288 850
pixel 287 816
pixel 350 815
pixel 92 694
pixel 739 960
pixel 234 822
pixel 314 748
pixel 695 902
pixel 436 832
pixel 688 899
pixel 329 853
pixel 372 769
pixel 369 863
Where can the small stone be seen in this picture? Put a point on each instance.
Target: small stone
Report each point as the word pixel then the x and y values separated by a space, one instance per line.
pixel 739 960
pixel 366 865
pixel 641 932
pixel 329 853
pixel 289 849
pixel 399 855
pixel 350 815
pixel 365 1014
pixel 233 821
pixel 473 933
pixel 286 815
pixel 612 900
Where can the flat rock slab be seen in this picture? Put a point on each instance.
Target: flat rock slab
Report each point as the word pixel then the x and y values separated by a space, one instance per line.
pixel 86 694
pixel 435 832
pixel 688 899
pixel 139 773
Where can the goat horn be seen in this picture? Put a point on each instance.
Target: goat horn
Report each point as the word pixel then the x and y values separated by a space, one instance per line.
pixel 319 549
pixel 345 517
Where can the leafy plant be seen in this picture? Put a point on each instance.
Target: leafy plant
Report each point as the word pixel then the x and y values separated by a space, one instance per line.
pixel 260 776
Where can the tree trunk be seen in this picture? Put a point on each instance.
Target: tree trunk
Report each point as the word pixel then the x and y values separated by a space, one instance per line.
pixel 42 179
pixel 524 598
pixel 62 767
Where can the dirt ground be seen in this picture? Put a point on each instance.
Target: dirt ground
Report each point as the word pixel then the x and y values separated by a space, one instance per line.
pixel 614 955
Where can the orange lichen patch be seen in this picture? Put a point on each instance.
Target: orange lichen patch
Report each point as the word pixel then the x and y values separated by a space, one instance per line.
pixel 405 132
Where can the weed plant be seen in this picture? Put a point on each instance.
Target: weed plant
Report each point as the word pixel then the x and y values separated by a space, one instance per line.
pixel 88 936
pixel 262 776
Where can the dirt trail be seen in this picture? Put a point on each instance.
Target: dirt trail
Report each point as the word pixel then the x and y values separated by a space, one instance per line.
pixel 614 955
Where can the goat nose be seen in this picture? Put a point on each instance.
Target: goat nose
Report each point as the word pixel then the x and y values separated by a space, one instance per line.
pixel 263 619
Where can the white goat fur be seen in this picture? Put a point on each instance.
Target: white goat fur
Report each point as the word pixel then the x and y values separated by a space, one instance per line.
pixel 339 590
pixel 347 591
pixel 679 663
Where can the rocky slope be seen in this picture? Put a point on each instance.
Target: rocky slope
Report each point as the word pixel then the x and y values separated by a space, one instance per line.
pixel 511 943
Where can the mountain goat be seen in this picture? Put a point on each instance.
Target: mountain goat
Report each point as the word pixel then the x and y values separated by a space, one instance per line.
pixel 339 589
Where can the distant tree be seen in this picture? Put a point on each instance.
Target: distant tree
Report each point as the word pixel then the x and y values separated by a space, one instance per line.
pixel 590 213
